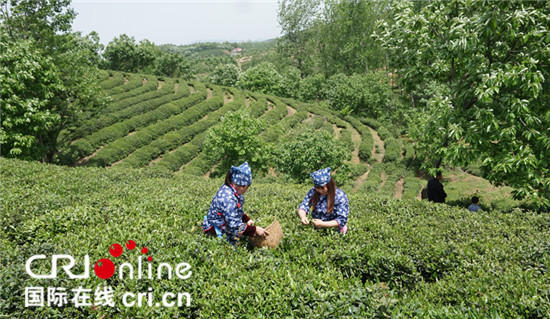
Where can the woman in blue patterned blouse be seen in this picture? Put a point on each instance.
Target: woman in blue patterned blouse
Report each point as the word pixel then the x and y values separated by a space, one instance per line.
pixel 330 204
pixel 226 215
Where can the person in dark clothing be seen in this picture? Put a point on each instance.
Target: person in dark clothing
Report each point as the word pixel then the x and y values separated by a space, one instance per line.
pixel 435 189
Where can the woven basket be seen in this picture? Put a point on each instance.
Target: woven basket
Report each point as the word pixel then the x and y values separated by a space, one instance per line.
pixel 273 239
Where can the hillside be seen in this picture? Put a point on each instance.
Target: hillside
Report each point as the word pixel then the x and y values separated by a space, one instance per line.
pixel 161 124
pixel 401 258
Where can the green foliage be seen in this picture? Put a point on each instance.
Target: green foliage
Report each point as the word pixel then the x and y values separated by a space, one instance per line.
pixel 278 112
pixel 296 18
pixel 478 66
pixel 357 170
pixel 110 127
pixel 291 82
pixel 344 36
pixel 124 54
pixel 258 106
pixel 372 123
pixel 276 131
pixel 203 48
pixel 262 78
pixel 365 149
pixel 236 140
pixel 226 75
pixel 59 89
pixel 328 128
pixel 384 133
pixel 345 137
pixel 184 154
pixel 399 258
pixel 181 118
pixel 30 85
pixel 359 94
pixel 330 37
pixel 367 142
pixel 412 186
pixel 308 152
pixel 392 149
pixel 128 91
pixel 312 88
pixel 394 170
pixel 91 44
pixel 203 58
pixel 173 65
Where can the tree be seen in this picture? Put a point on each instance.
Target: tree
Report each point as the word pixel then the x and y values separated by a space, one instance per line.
pixel 261 78
pixel 122 54
pixel 38 32
pixel 40 20
pixel 312 88
pixel 308 152
pixel 236 140
pixel 147 54
pixel 30 86
pixel 364 94
pixel 296 18
pixel 91 44
pixel 226 75
pixel 482 68
pixel 345 33
pixel 173 65
pixel 290 82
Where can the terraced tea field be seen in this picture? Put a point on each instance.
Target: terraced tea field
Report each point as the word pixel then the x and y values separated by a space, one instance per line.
pixel 163 125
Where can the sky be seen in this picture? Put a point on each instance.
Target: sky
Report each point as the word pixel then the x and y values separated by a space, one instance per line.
pixel 178 21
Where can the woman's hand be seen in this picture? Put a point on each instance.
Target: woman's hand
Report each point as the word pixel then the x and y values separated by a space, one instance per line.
pixel 261 231
pixel 303 217
pixel 321 224
pixel 250 222
pixel 318 223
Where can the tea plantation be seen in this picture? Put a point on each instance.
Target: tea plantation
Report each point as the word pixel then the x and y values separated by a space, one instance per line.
pixel 137 172
pixel 162 124
pixel 400 258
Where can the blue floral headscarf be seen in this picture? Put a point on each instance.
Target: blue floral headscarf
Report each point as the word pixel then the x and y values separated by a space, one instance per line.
pixel 321 177
pixel 241 175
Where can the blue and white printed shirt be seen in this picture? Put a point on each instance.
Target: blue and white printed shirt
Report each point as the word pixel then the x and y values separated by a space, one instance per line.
pixel 226 212
pixel 339 213
pixel 473 207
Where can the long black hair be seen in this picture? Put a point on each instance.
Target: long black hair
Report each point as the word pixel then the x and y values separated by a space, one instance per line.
pixel 331 188
pixel 228 178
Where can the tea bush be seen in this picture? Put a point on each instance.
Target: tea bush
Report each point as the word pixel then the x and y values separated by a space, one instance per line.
pixel 140 90
pixel 400 258
pixel 133 82
pixel 122 147
pixel 392 149
pixel 175 159
pixel 327 127
pixel 276 114
pixel 258 107
pixel 113 81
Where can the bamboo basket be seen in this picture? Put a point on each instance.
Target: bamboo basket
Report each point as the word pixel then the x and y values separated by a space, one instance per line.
pixel 273 239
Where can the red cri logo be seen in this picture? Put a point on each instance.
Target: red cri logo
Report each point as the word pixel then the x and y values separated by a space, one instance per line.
pixel 105 268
